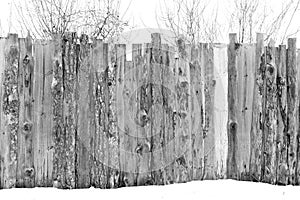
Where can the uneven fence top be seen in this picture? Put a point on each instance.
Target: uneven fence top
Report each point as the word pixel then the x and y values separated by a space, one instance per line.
pixel 75 113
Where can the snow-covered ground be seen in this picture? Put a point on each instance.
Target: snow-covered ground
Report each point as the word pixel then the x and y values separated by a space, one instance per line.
pixel 206 190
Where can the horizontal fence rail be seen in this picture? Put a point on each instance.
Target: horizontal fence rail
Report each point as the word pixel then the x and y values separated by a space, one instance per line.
pixel 74 113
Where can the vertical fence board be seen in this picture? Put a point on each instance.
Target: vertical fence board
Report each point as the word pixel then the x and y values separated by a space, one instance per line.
pixel 3 136
pixel 112 118
pixel 240 91
pixel 129 134
pixel 120 80
pixel 248 108
pixel 183 132
pixel 220 108
pixel 245 73
pixel 144 146
pixel 135 117
pixel 20 181
pixel 10 109
pixel 270 121
pixel 196 113
pixel 297 173
pixel 39 137
pixel 25 170
pixel 84 133
pixel 57 87
pixel 292 106
pixel 157 111
pixel 47 112
pixel 257 115
pixel 232 108
pixel 282 167
pixel 169 105
pixel 100 145
pixel 209 132
pixel 69 106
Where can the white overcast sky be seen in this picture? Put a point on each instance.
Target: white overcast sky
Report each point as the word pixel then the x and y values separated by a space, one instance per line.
pixel 143 13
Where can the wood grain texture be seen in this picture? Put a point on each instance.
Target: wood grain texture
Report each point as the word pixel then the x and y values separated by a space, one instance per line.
pixel 39 146
pixel 25 140
pixel 270 121
pixel 245 74
pixel 232 125
pixel 297 173
pixel 85 115
pixel 196 78
pixel 169 105
pixel 183 127
pixel 3 137
pixel 100 155
pixel 157 111
pixel 74 113
pixel 208 130
pixel 10 111
pixel 57 89
pixel 257 114
pixel 292 106
pixel 220 109
pixel 282 167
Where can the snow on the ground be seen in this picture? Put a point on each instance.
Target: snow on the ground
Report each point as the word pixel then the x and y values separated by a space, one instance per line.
pixel 206 190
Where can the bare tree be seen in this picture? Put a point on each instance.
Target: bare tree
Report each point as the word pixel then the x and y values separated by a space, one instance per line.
pixel 186 19
pixel 45 18
pixel 250 16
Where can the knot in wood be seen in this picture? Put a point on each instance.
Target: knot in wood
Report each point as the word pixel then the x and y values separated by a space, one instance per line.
pixel 27 126
pixel 29 172
pixel 26 60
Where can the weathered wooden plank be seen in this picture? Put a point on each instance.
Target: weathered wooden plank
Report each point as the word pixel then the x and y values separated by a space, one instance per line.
pixel 245 78
pixel 270 122
pixel 20 179
pixel 3 137
pixel 257 114
pixel 25 172
pixel 282 167
pixel 39 137
pixel 57 89
pixel 10 112
pixel 144 116
pixel 169 101
pixel 47 112
pixel 208 129
pixel 113 134
pixel 69 105
pixel 249 74
pixel 220 108
pixel 232 126
pixel 129 134
pixel 100 146
pixel 292 105
pixel 156 111
pixel 297 173
pixel 135 119
pixel 183 133
pixel 195 111
pixel 84 133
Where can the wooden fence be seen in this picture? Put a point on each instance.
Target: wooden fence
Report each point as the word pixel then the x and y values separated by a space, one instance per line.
pixel 76 114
